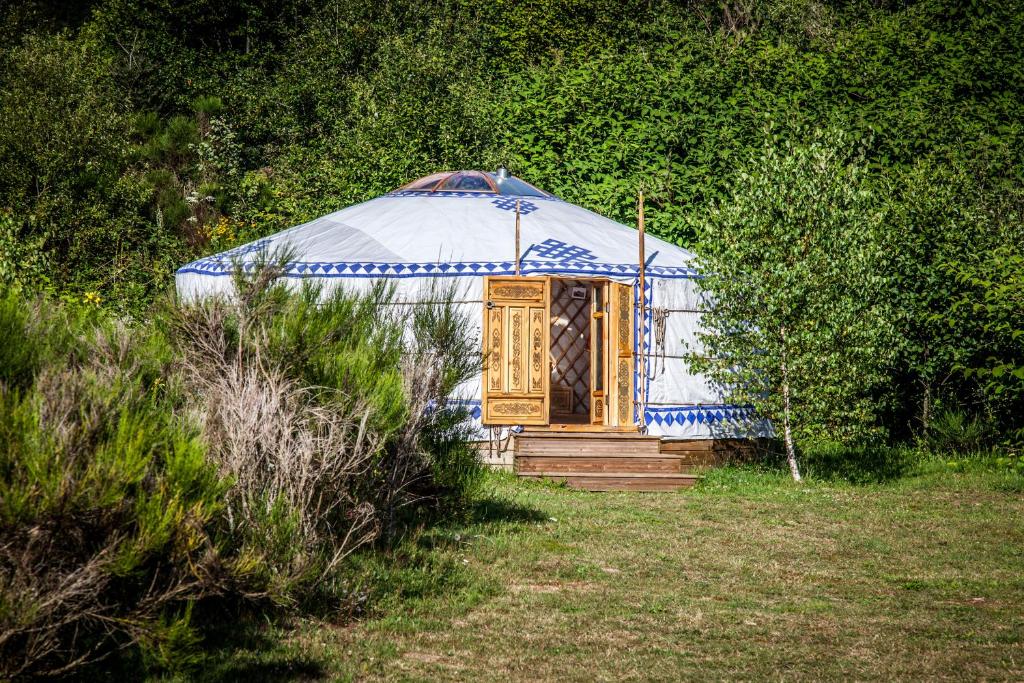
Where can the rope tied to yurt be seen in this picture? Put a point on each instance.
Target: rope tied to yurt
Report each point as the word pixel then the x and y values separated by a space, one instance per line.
pixel 659 318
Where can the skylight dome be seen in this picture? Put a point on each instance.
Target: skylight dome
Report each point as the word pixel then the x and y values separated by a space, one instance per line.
pixel 484 182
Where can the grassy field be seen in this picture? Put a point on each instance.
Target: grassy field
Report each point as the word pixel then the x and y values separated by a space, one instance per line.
pixel 748 576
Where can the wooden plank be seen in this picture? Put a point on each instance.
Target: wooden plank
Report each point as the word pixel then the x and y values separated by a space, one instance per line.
pixel 610 461
pixel 591 453
pixel 620 362
pixel 582 453
pixel 516 289
pixel 538 367
pixel 598 464
pixel 705 445
pixel 590 433
pixel 621 482
pixel 599 441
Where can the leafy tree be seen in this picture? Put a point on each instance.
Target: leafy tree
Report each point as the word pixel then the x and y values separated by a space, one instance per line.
pixel 799 324
pixel 991 312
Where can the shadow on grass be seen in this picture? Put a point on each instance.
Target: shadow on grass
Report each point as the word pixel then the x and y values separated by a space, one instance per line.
pixel 246 647
pixel 234 647
pixel 836 462
pixel 500 511
pixel 478 519
pixel 858 464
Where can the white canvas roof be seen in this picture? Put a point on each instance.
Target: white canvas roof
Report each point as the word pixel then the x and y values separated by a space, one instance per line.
pixel 417 233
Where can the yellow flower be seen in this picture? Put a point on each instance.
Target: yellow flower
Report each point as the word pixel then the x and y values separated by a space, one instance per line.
pixel 92 298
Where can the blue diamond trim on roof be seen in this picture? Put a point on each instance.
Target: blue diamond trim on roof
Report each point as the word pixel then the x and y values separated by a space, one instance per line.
pixel 580 263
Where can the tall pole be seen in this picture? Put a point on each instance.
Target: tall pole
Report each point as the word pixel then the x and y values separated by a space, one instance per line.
pixel 517 238
pixel 642 374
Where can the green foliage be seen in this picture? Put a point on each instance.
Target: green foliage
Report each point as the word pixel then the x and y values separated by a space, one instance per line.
pixel 945 222
pixel 991 309
pixel 797 305
pixel 955 431
pixel 282 111
pixel 106 498
pixel 62 158
pixel 143 474
pixel 22 259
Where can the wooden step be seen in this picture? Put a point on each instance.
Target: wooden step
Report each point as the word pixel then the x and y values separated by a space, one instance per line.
pixel 547 462
pixel 602 481
pixel 581 445
pixel 585 452
pixel 544 433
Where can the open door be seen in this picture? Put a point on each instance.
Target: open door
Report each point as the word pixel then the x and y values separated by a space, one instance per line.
pixel 516 340
pixel 620 360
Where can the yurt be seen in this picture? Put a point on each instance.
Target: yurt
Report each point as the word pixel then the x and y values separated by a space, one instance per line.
pixel 584 327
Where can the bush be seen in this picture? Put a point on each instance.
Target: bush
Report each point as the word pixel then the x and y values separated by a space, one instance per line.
pixel 954 431
pixel 237 449
pixel 106 498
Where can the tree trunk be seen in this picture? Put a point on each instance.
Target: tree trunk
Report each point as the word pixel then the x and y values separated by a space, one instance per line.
pixel 787 432
pixel 788 435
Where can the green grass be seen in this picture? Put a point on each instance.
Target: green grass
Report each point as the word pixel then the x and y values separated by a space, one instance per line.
pixel 747 576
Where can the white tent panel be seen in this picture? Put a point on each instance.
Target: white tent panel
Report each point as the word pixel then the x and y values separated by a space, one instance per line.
pixel 673 378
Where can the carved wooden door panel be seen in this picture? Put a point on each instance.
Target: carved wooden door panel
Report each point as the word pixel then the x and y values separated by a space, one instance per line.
pixel 620 355
pixel 516 341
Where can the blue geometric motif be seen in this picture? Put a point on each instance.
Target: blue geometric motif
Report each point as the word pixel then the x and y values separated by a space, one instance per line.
pixel 707 414
pixel 220 266
pixel 471 406
pixel 560 251
pixel 509 204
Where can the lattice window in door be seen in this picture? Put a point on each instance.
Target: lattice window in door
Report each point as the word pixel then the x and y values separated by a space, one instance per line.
pixel 570 343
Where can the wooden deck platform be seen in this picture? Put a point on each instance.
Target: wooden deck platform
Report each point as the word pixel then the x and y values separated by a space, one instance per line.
pixel 614 461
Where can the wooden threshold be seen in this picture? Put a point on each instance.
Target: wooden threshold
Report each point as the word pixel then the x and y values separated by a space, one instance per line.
pixel 581 429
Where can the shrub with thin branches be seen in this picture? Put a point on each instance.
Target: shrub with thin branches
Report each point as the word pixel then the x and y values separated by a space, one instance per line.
pixel 106 499
pixel 238 448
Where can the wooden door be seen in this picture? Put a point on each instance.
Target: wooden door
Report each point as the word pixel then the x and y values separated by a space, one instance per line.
pixel 516 336
pixel 620 355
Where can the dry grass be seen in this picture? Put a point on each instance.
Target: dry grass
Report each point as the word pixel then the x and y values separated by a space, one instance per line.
pixel 747 577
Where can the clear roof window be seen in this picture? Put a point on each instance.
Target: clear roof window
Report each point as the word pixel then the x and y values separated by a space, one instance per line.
pixel 427 183
pixel 475 181
pixel 467 181
pixel 513 185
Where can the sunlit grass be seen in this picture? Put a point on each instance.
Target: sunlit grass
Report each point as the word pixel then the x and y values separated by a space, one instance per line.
pixel 746 576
